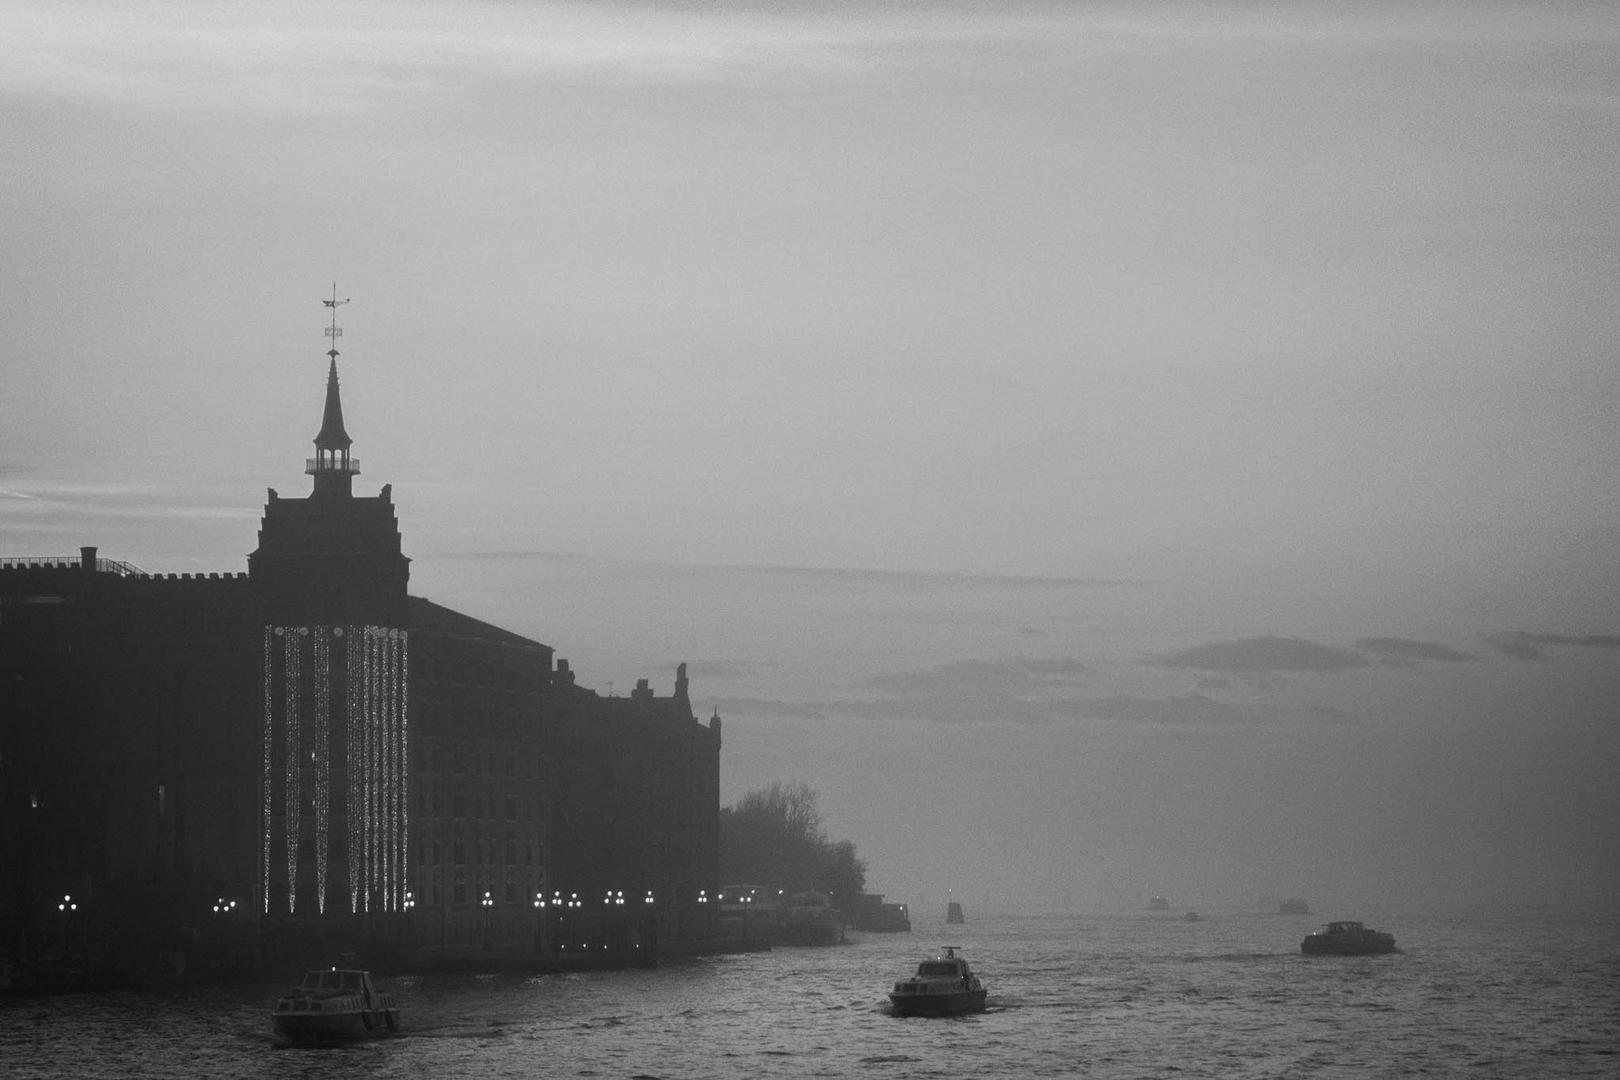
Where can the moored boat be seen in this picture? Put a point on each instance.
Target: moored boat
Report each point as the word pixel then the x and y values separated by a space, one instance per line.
pixel 334 1004
pixel 942 986
pixel 1347 938
pixel 810 919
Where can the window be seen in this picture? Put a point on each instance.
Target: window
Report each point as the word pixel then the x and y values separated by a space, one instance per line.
pixel 460 853
pixel 511 808
pixel 461 806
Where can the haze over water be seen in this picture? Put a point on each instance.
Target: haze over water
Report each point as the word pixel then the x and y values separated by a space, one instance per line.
pixel 1188 430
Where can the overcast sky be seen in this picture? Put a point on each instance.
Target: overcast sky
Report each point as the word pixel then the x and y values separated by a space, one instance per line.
pixel 1106 449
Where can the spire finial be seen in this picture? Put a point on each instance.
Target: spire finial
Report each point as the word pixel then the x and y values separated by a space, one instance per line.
pixel 334 331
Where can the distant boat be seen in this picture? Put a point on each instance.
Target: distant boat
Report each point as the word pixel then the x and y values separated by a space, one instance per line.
pixel 810 919
pixel 1347 938
pixel 953 913
pixel 1158 903
pixel 1193 916
pixel 942 986
pixel 1293 907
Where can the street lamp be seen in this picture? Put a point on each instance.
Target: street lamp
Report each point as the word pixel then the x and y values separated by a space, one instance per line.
pixel 488 902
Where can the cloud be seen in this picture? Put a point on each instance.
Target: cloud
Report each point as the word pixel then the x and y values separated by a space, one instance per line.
pixel 1013 676
pixel 1186 709
pixel 1260 656
pixel 714 669
pixel 1524 645
pixel 735 707
pixel 1403 651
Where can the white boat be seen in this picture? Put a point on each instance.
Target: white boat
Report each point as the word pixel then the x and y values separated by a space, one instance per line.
pixel 334 1004
pixel 941 987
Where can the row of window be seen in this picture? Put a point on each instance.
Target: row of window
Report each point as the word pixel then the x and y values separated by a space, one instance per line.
pixel 483 807
pixel 480 849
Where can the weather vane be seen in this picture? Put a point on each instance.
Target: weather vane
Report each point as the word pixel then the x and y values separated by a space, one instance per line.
pixel 334 331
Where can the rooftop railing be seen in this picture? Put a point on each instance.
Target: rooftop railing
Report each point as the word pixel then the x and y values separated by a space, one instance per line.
pixel 322 465
pixel 103 566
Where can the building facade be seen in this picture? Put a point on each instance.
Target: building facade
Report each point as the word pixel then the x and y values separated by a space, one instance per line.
pixel 215 770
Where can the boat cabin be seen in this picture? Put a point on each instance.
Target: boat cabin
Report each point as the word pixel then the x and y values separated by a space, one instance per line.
pixel 337 979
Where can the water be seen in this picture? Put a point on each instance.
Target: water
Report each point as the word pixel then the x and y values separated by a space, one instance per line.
pixel 1505 993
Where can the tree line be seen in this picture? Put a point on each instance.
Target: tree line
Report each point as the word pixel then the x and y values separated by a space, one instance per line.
pixel 774 837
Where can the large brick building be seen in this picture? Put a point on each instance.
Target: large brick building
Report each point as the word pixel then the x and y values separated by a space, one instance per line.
pixel 210 768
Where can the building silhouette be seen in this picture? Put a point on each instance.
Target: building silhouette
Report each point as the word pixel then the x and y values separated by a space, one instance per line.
pixel 227 770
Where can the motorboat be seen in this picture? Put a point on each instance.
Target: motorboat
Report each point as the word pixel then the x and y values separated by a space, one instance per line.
pixel 1159 903
pixel 1193 916
pixel 1294 906
pixel 942 986
pixel 1346 938
pixel 334 1004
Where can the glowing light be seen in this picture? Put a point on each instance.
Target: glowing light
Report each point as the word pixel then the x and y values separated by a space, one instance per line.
pixel 321 750
pixel 292 681
pixel 364 730
pixel 267 778
pixel 67 904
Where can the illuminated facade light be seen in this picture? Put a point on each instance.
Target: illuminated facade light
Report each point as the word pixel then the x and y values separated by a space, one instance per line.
pixel 67 903
pixel 363 732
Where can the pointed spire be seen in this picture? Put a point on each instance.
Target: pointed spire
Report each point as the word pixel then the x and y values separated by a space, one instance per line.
pixel 331 466
pixel 332 435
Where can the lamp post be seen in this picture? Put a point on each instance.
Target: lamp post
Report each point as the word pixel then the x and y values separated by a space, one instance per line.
pixel 408 905
pixel 488 902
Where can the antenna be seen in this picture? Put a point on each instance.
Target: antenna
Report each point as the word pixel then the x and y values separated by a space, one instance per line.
pixel 334 331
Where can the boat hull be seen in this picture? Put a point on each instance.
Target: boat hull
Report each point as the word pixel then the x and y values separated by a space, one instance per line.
pixel 304 1027
pixel 947 1004
pixel 1312 946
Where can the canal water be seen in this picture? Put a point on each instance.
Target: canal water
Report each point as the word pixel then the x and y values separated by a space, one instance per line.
pixel 1502 993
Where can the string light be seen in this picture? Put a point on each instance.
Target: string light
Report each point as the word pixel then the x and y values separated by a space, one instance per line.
pixel 293 684
pixel 267 778
pixel 322 752
pixel 374 756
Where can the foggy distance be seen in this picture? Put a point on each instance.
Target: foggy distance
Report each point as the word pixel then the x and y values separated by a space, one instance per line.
pixel 1105 450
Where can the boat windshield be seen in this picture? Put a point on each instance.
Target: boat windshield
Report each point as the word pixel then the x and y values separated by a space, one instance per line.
pixel 938 967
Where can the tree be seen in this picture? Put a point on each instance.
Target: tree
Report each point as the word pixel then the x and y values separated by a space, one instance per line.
pixel 774 837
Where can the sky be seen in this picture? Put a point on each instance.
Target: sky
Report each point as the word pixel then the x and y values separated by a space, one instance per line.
pixel 1104 449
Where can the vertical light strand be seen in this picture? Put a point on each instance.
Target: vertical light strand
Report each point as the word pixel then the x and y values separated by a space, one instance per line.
pixel 385 832
pixel 374 761
pixel 369 768
pixel 322 676
pixel 404 764
pixel 391 878
pixel 356 686
pixel 291 682
pixel 267 779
